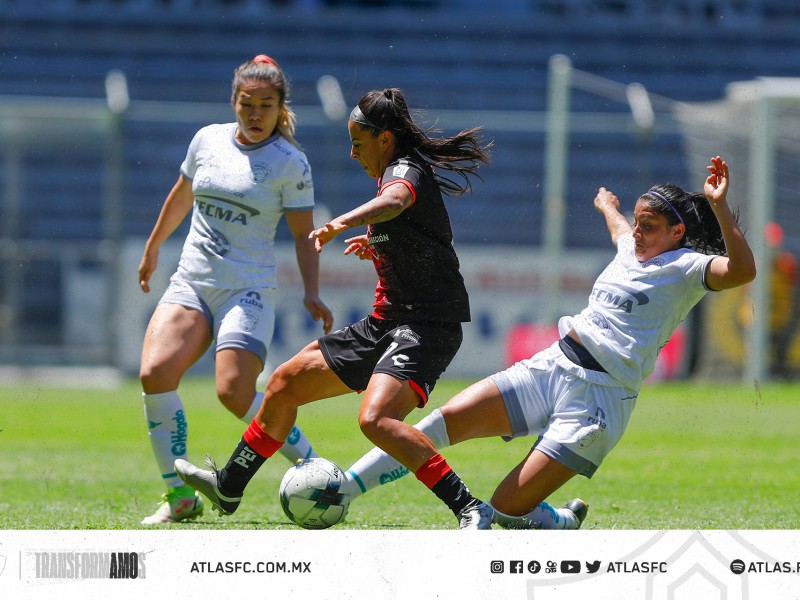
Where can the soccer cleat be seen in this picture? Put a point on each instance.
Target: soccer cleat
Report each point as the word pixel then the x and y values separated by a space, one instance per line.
pixel 477 515
pixel 177 504
pixel 205 482
pixel 579 508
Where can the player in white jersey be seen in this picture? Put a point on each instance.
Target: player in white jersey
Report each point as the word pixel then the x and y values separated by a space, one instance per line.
pixel 238 179
pixel 577 396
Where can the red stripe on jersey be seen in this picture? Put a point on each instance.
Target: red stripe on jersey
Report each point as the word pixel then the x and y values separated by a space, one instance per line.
pixel 432 471
pixel 260 441
pixel 380 307
pixel 410 187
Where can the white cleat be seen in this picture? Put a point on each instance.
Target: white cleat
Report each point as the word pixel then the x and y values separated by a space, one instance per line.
pixel 477 516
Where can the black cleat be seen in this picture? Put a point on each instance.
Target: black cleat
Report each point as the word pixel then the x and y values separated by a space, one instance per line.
pixel 579 508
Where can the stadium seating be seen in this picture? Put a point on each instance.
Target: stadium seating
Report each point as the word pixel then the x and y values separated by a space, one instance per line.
pixel 446 54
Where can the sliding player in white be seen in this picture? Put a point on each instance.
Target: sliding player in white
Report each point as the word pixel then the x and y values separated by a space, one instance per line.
pixel 577 396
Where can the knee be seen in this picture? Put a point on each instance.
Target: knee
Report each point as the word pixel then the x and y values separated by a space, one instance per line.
pixel 157 378
pixel 235 397
pixel 284 386
pixel 373 424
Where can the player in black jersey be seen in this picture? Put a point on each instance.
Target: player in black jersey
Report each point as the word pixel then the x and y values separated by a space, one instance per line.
pixel 396 354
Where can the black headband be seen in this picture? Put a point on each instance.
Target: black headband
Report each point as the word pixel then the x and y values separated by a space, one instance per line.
pixel 356 116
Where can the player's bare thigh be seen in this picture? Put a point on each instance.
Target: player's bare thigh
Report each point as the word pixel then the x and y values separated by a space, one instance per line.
pixel 478 411
pixel 175 339
pixel 304 378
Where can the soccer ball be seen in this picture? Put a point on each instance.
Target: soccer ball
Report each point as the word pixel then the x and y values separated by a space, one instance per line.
pixel 311 494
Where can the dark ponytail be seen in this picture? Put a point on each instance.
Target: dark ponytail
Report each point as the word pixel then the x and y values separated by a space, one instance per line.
pixel 386 110
pixel 703 232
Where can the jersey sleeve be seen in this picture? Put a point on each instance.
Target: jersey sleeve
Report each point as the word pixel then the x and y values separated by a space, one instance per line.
pixel 697 267
pixel 402 173
pixel 297 191
pixel 189 164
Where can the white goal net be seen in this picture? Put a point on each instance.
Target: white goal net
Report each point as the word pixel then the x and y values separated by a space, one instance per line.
pixel 756 128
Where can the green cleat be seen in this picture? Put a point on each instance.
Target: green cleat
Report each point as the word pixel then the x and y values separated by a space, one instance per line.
pixel 178 504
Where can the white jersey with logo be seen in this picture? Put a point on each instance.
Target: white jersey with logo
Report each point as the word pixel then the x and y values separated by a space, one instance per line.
pixel 240 193
pixel 635 307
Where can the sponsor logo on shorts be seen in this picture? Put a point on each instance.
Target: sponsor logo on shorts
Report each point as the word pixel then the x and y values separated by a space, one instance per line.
pixel 253 299
pixel 407 334
pixel 598 419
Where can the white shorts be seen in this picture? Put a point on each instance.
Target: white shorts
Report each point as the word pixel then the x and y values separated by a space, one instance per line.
pixel 578 419
pixel 238 318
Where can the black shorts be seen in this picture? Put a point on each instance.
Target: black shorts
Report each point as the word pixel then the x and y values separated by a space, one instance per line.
pixel 416 352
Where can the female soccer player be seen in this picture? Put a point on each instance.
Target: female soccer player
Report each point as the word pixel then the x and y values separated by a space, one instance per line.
pixel 578 395
pixel 237 179
pixel 396 354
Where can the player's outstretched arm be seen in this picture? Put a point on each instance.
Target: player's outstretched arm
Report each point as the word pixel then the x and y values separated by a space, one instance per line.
pixel 739 266
pixel 392 201
pixel 607 204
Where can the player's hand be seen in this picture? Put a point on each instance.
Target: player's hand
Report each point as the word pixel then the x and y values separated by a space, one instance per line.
pixel 319 311
pixel 325 234
pixel 359 246
pixel 606 199
pixel 147 267
pixel 716 186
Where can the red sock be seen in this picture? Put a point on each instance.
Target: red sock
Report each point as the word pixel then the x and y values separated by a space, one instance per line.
pixel 260 441
pixel 433 470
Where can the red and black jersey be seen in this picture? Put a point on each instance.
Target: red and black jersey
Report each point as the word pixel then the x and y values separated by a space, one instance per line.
pixel 418 270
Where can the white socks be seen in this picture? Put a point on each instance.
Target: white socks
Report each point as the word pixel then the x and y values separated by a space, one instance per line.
pixel 168 433
pixel 297 445
pixel 376 467
pixel 168 430
pixel 543 516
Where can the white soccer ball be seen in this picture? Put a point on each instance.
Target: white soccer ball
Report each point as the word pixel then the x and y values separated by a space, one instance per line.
pixel 311 494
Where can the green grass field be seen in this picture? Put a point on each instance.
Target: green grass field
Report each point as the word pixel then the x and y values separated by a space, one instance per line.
pixel 695 456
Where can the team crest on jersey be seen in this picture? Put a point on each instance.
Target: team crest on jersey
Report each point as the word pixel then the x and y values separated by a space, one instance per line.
pixel 400 170
pixel 261 171
pixel 657 261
